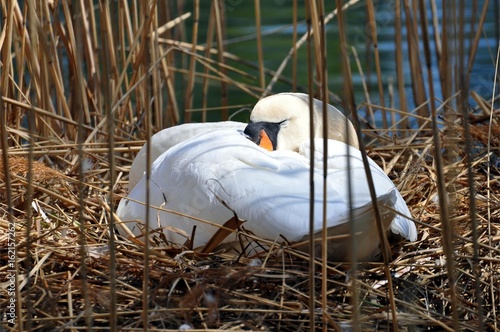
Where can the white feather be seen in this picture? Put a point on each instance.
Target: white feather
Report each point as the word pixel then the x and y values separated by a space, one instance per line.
pixel 167 138
pixel 213 174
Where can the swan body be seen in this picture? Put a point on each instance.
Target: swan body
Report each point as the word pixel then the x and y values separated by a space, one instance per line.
pixel 214 175
pixel 167 138
pixel 206 174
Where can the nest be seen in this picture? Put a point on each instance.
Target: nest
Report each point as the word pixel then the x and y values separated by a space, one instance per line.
pixel 81 273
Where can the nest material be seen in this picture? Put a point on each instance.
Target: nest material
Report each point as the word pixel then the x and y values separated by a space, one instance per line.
pixel 72 268
pixel 43 179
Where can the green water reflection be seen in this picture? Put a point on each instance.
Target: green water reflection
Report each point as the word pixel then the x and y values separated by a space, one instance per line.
pixel 276 20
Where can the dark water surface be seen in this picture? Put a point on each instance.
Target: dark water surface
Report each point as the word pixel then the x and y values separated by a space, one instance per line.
pixel 276 20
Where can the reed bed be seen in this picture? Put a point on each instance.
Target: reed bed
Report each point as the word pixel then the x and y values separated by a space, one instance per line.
pixel 84 84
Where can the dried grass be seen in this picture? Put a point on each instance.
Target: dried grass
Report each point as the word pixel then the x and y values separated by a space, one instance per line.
pixel 57 126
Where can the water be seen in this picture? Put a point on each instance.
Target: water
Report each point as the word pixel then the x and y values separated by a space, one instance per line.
pixel 276 19
pixel 277 41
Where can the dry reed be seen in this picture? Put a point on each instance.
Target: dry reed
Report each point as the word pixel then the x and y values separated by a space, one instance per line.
pixel 84 84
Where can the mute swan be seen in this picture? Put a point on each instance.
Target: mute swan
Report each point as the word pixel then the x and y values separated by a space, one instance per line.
pixel 214 175
pixel 166 138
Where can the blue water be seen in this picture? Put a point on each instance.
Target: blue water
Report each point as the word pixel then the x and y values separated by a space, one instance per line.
pixel 276 19
pixel 277 30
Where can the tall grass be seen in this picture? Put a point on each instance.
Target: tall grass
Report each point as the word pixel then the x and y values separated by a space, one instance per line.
pixel 85 83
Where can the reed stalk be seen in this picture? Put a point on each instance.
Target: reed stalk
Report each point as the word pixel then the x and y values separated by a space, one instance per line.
pixel 260 52
pixel 398 27
pixel 380 83
pixel 188 104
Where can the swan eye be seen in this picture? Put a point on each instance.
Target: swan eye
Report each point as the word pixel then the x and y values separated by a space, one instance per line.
pixel 283 123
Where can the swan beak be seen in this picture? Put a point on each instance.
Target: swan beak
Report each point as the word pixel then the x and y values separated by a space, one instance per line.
pixel 264 134
pixel 265 141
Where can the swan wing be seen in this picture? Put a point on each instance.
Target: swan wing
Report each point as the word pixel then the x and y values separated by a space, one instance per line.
pixel 218 174
pixel 366 242
pixel 167 138
pixel 180 199
pixel 344 160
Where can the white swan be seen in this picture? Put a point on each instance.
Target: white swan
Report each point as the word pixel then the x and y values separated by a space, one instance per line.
pixel 167 138
pixel 214 175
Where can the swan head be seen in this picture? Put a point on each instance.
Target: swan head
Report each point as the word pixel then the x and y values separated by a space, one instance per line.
pixel 282 122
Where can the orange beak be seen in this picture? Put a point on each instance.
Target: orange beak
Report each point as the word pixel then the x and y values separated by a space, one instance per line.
pixel 265 142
